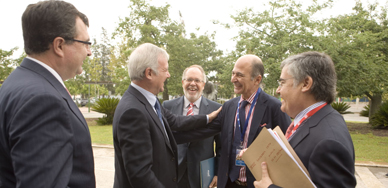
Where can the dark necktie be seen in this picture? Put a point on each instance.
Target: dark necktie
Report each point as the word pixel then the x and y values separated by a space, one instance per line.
pixel 158 112
pixel 235 170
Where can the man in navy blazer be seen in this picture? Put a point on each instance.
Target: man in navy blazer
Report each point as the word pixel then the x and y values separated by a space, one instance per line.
pixel 319 134
pixel 265 112
pixel 44 139
pixel 191 154
pixel 145 148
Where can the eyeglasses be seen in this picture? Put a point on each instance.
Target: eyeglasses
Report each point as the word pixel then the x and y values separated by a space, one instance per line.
pixel 189 80
pixel 281 81
pixel 83 42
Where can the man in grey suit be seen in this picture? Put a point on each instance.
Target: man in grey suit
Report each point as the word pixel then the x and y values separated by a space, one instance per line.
pixel 191 154
pixel 44 139
pixel 318 133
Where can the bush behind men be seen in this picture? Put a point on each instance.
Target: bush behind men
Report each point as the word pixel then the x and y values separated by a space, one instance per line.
pixel 190 154
pixel 44 139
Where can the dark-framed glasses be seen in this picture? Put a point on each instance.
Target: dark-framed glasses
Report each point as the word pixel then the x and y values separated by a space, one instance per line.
pixel 189 80
pixel 89 44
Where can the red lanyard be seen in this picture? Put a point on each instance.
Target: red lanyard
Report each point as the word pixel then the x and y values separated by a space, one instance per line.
pixel 309 114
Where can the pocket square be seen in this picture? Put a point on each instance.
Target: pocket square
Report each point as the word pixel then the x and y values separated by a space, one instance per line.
pixel 263 125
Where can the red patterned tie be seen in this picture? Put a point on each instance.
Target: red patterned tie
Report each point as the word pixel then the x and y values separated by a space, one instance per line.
pixel 190 111
pixel 289 130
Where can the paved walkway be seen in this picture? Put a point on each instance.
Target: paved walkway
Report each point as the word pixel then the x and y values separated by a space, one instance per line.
pixel 368 175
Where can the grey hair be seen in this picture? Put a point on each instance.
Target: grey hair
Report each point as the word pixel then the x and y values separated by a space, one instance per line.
pixel 195 66
pixel 144 56
pixel 319 67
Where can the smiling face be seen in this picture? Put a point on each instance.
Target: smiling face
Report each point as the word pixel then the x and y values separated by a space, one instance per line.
pixel 193 84
pixel 162 75
pixel 291 95
pixel 242 79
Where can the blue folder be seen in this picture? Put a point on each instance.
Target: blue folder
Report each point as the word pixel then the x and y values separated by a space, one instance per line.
pixel 207 172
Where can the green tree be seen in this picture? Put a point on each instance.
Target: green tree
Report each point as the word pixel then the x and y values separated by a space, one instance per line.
pixel 150 24
pixel 282 29
pixel 357 44
pixel 7 64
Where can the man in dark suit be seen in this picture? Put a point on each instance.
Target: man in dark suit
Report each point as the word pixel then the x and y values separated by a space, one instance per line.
pixel 258 108
pixel 318 134
pixel 191 154
pixel 44 139
pixel 145 149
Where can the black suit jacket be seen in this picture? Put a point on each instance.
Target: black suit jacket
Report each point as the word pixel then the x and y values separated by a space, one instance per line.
pixel 196 151
pixel 324 146
pixel 44 139
pixel 144 155
pixel 267 114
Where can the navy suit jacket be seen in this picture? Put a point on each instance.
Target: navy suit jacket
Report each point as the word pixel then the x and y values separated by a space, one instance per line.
pixel 324 146
pixel 267 114
pixel 190 155
pixel 44 139
pixel 144 155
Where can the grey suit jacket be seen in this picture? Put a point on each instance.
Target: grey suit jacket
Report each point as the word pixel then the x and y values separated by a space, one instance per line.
pixel 267 114
pixel 324 146
pixel 191 154
pixel 144 155
pixel 44 139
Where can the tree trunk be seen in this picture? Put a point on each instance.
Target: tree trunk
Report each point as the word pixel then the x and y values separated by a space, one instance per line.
pixel 165 92
pixel 374 104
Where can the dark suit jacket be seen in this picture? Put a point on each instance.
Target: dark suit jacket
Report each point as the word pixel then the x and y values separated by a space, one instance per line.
pixel 196 151
pixel 44 139
pixel 267 114
pixel 144 156
pixel 324 146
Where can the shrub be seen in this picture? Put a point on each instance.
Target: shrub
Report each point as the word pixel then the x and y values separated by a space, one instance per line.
pixel 106 106
pixel 341 107
pixel 380 118
pixel 365 111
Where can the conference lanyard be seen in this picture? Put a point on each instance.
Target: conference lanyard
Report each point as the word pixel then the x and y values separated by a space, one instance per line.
pixel 309 114
pixel 249 115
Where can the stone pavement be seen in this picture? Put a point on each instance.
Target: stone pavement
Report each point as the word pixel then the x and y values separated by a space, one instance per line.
pixel 368 175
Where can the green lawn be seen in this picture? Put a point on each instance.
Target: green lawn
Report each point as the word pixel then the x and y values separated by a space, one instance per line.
pixel 101 134
pixel 368 147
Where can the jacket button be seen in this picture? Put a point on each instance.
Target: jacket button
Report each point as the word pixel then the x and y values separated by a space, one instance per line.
pixel 174 179
pixel 172 159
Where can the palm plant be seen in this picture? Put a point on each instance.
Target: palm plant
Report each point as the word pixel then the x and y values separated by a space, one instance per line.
pixel 380 118
pixel 106 106
pixel 341 107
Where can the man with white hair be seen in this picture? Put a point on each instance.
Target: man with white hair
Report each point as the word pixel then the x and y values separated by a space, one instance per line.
pixel 145 148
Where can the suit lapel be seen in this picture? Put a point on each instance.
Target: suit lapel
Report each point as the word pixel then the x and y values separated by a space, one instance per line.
pixel 230 122
pixel 257 116
pixel 204 108
pixel 152 113
pixel 179 106
pixel 313 121
pixel 38 69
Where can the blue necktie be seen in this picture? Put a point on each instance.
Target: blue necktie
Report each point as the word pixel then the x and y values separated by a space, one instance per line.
pixel 234 171
pixel 157 108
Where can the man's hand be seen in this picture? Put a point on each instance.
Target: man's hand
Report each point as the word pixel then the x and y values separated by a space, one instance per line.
pixel 214 182
pixel 265 179
pixel 214 114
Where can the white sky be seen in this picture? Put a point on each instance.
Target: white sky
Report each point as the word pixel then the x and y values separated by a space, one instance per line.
pixel 199 13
